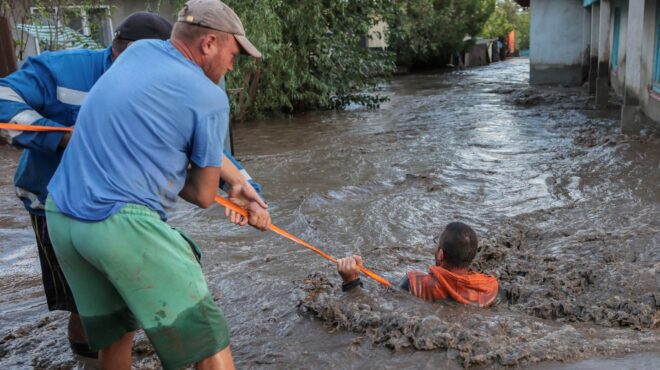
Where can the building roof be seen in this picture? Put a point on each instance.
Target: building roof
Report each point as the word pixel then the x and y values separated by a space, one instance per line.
pixel 62 37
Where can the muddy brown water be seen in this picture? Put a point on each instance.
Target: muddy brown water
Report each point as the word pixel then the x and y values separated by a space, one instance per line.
pixel 567 210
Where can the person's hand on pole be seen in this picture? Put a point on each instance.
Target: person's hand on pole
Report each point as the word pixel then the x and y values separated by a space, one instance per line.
pixel 243 194
pixel 246 197
pixel 348 268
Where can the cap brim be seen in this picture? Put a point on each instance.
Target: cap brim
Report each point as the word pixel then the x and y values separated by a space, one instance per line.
pixel 247 47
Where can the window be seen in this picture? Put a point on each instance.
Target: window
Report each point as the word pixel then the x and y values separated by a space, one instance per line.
pixel 615 38
pixel 70 27
pixel 656 71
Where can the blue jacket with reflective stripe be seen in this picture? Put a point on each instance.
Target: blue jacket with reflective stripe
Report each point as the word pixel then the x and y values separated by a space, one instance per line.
pixel 47 91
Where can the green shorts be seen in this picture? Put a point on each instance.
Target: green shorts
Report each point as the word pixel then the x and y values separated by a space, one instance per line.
pixel 133 270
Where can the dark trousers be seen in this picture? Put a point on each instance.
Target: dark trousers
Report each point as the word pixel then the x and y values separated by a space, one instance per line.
pixel 58 293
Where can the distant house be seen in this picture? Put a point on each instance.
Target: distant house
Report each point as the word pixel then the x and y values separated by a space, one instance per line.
pixel 481 52
pixel 40 38
pixel 376 37
pixel 609 43
pixel 75 26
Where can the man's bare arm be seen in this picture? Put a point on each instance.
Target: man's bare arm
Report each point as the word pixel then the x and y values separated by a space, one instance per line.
pixel 201 185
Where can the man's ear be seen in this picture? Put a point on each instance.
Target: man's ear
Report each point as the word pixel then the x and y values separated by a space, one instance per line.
pixel 439 255
pixel 209 44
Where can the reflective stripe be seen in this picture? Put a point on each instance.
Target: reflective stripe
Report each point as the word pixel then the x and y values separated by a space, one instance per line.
pixel 26 117
pixel 24 194
pixel 7 93
pixel 246 175
pixel 70 96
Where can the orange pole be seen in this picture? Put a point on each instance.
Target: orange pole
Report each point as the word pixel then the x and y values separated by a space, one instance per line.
pixel 244 213
pixel 18 127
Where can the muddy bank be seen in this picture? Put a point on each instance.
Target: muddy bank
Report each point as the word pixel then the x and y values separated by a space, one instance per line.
pixel 603 289
pixel 567 211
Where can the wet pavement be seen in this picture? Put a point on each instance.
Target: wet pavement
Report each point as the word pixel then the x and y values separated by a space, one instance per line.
pixel 567 211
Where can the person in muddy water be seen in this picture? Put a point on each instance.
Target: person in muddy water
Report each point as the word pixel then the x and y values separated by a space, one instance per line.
pixel 449 278
pixel 150 130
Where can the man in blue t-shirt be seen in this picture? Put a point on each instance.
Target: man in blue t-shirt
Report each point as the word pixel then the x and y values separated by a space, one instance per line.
pixel 151 130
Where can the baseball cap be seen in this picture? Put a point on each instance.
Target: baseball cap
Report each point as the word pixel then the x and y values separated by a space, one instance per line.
pixel 144 25
pixel 215 14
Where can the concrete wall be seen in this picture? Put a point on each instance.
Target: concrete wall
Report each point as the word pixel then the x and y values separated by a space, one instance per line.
pixel 559 35
pixel 586 43
pixel 556 50
pixel 617 76
pixel 650 102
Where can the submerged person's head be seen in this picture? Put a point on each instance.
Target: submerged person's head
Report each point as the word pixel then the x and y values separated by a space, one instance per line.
pixel 456 246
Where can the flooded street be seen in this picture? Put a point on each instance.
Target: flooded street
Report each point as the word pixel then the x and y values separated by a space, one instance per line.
pixel 567 211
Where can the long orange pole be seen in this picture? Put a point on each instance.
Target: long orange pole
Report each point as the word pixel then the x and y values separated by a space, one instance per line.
pixel 244 213
pixel 219 199
pixel 17 127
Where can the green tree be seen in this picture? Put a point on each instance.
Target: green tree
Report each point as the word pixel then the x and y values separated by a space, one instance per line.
pixel 313 53
pixel 426 31
pixel 58 22
pixel 522 30
pixel 503 20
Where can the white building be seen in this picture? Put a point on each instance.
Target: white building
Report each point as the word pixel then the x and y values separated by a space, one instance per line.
pixel 609 43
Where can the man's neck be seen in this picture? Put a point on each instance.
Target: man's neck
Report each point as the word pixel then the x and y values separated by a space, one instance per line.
pixel 455 270
pixel 185 50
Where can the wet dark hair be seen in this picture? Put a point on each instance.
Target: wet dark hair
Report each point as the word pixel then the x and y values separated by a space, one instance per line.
pixel 459 244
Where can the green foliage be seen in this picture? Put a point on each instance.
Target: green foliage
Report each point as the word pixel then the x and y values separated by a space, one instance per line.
pixel 509 16
pixel 421 31
pixel 522 30
pixel 58 23
pixel 503 20
pixel 313 53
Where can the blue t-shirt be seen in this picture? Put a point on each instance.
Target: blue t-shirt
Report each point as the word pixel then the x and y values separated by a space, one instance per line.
pixel 141 124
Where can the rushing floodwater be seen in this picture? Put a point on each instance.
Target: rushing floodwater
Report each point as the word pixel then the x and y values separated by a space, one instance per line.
pixel 567 211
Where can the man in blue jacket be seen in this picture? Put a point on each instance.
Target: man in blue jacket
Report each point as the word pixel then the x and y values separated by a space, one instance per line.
pixel 48 91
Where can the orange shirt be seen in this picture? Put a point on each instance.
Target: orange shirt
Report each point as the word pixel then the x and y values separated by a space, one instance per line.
pixel 474 288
